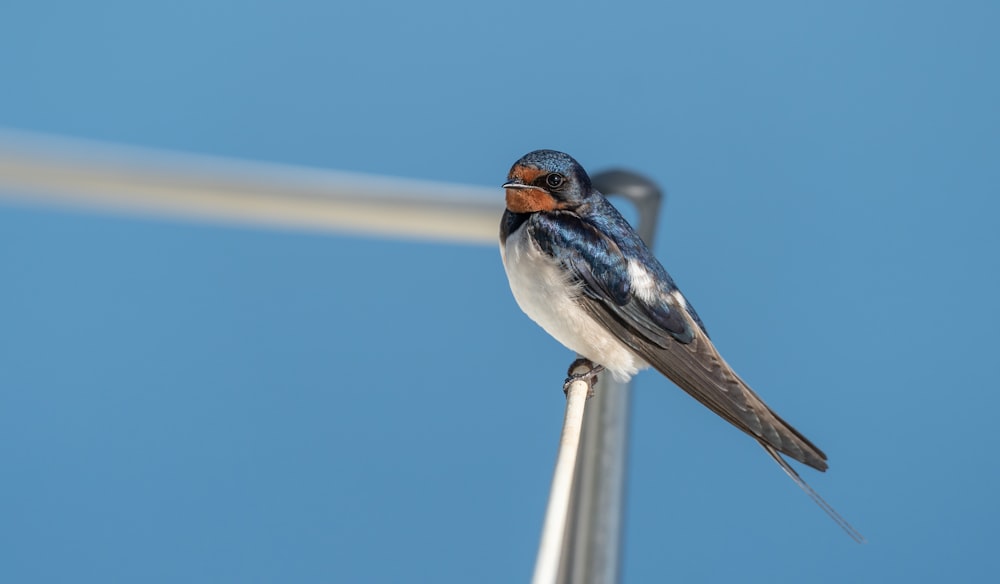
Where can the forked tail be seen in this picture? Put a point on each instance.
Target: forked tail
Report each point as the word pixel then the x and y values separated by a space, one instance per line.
pixel 814 495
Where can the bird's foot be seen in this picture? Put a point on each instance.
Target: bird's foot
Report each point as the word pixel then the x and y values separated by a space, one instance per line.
pixel 590 375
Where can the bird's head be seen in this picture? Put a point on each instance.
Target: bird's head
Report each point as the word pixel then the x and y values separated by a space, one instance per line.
pixel 546 180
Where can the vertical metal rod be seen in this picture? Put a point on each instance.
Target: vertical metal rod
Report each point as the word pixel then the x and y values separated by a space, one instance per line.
pixel 561 495
pixel 593 542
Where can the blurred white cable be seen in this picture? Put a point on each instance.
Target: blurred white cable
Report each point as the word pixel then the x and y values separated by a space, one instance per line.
pixel 82 173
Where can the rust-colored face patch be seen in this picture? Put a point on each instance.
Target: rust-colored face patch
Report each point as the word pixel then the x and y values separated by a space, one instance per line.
pixel 525 174
pixel 530 200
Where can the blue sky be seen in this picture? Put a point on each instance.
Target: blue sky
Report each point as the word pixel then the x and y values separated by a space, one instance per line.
pixel 215 404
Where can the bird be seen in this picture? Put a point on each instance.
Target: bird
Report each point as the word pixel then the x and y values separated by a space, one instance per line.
pixel 577 268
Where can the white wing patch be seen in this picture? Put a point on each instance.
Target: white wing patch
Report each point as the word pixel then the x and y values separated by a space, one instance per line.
pixel 680 299
pixel 643 283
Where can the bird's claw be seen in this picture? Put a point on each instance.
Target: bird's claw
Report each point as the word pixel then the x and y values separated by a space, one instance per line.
pixel 590 376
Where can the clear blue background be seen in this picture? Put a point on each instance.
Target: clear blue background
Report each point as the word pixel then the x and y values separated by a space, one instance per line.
pixel 191 403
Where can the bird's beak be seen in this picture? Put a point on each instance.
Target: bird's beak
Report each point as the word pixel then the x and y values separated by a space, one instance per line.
pixel 522 198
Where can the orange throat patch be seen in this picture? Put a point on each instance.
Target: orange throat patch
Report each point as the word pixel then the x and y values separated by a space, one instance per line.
pixel 530 200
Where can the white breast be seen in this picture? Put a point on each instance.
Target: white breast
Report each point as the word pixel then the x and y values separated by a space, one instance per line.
pixel 543 292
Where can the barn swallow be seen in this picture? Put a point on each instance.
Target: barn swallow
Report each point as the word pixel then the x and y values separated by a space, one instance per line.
pixel 579 270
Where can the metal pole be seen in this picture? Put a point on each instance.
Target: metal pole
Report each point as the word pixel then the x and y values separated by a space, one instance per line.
pixel 37 168
pixel 557 512
pixel 593 543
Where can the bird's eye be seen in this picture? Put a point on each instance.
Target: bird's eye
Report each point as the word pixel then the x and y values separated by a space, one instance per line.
pixel 554 180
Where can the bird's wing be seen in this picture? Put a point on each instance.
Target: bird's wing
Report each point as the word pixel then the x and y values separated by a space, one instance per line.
pixel 697 368
pixel 659 329
pixel 598 264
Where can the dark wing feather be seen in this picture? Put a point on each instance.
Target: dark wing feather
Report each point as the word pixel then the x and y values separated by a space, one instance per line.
pixel 598 263
pixel 666 334
pixel 659 329
pixel 697 368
